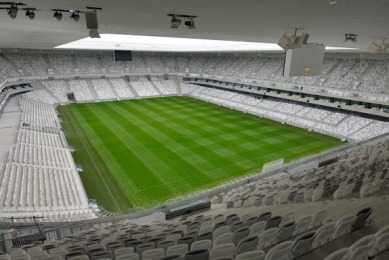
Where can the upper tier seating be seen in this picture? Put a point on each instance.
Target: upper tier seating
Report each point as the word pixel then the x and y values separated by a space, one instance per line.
pixel 88 64
pixel 155 64
pixel 62 63
pixel 21 61
pixel 352 74
pixel 110 65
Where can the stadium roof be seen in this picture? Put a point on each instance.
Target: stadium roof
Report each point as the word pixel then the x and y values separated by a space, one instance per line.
pixel 250 21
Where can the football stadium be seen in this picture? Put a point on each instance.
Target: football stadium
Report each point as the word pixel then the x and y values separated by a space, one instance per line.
pixel 194 130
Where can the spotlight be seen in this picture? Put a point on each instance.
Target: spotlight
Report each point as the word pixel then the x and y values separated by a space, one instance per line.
pixel 58 15
pixel 350 37
pixel 75 16
pixel 30 14
pixel 190 23
pixel 175 23
pixel 13 11
pixel 176 20
pixel 293 41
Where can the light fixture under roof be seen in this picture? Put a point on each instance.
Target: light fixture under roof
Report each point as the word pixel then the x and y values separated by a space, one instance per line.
pixel 13 9
pixel 176 20
pixel 75 16
pixel 190 23
pixel 350 37
pixel 30 12
pixel 58 15
pixel 292 41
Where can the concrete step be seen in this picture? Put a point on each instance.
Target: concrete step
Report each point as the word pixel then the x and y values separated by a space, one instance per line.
pixel 39 85
pixel 92 90
pixel 155 87
pixel 132 88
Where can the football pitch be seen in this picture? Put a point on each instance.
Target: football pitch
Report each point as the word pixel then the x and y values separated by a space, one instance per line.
pixel 139 153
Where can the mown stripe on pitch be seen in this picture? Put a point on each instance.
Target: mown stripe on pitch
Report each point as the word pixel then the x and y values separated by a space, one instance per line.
pixel 126 158
pixel 211 155
pixel 90 175
pixel 216 139
pixel 111 161
pixel 162 170
pixel 205 114
pixel 196 173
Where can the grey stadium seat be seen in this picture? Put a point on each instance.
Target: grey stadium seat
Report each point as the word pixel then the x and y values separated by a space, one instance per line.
pixel 153 254
pixel 247 244
pixel 240 234
pixel 286 231
pixel 273 222
pixel 223 251
pixel 101 255
pixel 362 216
pixel 252 255
pixel 303 244
pixel 201 254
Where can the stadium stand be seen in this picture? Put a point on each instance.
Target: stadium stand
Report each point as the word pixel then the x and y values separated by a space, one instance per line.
pixel 294 231
pixel 58 88
pixel 335 124
pixel 143 87
pixel 167 87
pixel 353 74
pixel 81 90
pixel 121 88
pixel 40 177
pixel 275 217
pixel 197 143
pixel 103 89
pixel 62 63
pixel 110 65
pixel 40 95
pixel 88 64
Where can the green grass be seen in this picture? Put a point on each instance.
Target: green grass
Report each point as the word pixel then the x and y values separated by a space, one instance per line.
pixel 140 153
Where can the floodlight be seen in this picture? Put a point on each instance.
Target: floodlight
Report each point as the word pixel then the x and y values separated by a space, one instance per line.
pixel 350 37
pixel 75 16
pixel 13 12
pixel 30 14
pixel 58 15
pixel 190 23
pixel 175 23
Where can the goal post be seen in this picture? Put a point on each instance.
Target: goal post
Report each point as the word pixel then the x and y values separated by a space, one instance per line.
pixel 272 165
